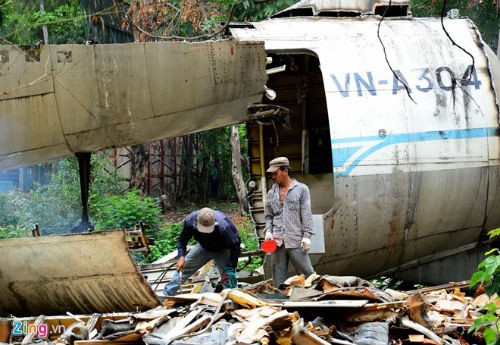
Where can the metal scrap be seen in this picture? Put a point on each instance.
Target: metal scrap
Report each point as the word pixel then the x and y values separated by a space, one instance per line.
pixel 253 316
pixel 78 273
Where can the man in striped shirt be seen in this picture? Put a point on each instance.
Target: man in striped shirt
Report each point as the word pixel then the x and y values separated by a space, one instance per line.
pixel 288 222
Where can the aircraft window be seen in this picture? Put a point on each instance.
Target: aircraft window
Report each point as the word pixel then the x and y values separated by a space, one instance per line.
pixel 392 11
pixel 299 12
pixel 308 12
pixel 339 14
pixel 320 160
pixel 382 10
pixel 241 25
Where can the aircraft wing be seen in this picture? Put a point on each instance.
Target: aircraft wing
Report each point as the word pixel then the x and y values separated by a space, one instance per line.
pixel 62 99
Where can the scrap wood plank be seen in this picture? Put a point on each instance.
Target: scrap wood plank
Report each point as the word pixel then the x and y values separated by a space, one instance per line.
pixel 416 338
pixel 386 305
pixel 244 298
pixel 361 315
pixel 5 327
pixel 304 337
pixel 207 298
pixel 323 304
pixel 373 312
pixel 450 286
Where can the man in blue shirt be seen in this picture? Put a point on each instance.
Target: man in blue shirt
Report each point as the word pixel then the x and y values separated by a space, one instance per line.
pixel 218 239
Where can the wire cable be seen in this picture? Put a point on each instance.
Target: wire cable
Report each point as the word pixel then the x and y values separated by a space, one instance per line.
pixel 470 71
pixel 385 53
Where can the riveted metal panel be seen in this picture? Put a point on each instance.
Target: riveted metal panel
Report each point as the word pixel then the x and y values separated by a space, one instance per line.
pixel 82 273
pixel 414 172
pixel 24 72
pixel 78 98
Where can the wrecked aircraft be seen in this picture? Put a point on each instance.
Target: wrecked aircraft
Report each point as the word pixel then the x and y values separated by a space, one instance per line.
pixel 392 121
pixel 392 126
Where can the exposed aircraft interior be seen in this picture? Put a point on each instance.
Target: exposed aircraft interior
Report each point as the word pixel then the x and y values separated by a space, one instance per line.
pixel 303 133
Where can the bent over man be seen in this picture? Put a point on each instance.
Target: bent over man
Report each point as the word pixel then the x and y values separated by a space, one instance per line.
pixel 217 239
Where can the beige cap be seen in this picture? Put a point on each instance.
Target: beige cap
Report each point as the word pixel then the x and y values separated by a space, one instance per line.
pixel 206 220
pixel 276 163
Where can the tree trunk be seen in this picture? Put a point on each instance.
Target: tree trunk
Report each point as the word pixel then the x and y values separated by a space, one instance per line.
pixel 239 183
pixel 139 168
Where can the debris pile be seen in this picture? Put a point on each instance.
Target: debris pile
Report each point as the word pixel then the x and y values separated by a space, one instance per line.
pixel 316 310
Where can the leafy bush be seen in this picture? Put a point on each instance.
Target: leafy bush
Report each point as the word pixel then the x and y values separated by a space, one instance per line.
pixel 166 242
pixel 124 211
pixel 54 214
pixel 56 205
pixel 488 274
pixel 7 214
pixel 250 241
pixel 11 231
pixel 22 21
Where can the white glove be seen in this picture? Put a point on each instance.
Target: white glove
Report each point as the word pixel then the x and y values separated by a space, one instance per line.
pixel 305 244
pixel 269 236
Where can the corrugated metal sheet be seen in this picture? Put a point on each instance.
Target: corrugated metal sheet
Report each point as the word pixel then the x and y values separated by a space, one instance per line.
pixel 82 273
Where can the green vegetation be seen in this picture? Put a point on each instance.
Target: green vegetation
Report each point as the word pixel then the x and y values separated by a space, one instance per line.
pixel 249 239
pixel 166 241
pixel 124 211
pixel 384 282
pixel 56 205
pixel 11 231
pixel 259 10
pixel 210 177
pixel 21 21
pixel 488 275
pixel 484 14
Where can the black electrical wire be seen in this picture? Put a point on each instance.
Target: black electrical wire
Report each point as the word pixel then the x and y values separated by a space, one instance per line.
pixel 385 53
pixel 471 71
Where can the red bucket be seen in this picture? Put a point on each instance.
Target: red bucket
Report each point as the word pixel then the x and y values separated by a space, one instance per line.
pixel 268 246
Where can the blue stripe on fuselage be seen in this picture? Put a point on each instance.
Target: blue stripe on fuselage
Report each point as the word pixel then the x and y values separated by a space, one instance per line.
pixel 340 154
